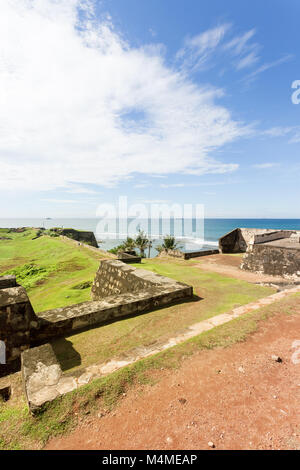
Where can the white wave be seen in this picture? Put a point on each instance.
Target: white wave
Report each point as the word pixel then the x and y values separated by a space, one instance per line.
pixel 199 241
pixel 123 236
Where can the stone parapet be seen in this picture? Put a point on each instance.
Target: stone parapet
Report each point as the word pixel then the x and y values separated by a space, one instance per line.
pixel 42 376
pixel 17 321
pixel 8 281
pixel 114 278
pixel 119 290
pixel 273 259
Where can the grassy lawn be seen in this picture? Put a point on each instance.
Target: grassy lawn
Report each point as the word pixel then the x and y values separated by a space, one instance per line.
pixel 214 294
pixel 59 266
pixel 19 430
pixel 50 268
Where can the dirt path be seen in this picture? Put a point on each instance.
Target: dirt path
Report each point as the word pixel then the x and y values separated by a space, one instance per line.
pixel 238 398
pixel 230 266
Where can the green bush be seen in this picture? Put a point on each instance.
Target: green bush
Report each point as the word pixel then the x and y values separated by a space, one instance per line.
pixel 118 248
pixel 30 274
pixel 82 285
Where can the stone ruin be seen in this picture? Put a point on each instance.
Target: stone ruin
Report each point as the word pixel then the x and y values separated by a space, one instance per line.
pixel 118 291
pixel 272 252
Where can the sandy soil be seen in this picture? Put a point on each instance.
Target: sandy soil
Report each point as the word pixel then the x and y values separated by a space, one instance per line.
pixel 238 398
pixel 230 266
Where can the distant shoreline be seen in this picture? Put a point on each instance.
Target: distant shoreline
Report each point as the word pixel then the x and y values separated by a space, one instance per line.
pixel 214 228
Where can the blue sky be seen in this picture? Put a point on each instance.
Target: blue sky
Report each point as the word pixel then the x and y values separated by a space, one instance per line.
pixel 181 102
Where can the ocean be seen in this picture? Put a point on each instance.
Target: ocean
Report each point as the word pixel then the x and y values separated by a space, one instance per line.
pixel 202 236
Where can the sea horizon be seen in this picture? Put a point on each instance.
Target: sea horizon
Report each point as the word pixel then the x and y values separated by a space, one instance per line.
pixel 203 239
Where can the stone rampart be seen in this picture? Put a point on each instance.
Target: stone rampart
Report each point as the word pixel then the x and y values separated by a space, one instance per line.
pixel 189 254
pixel 8 281
pixel 77 235
pixel 42 376
pixel 17 322
pixel 118 290
pixel 115 278
pixel 274 260
pixel 129 258
pixel 272 236
pixel 239 239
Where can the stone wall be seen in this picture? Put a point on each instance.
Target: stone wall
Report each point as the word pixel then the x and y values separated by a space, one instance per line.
pixel 188 255
pixel 8 281
pixel 77 235
pixel 42 376
pixel 119 290
pixel 17 322
pixel 238 240
pixel 129 258
pixel 273 260
pixel 269 237
pixel 115 277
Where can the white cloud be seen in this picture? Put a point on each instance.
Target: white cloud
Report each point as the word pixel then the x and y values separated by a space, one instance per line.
pixel 155 201
pixel 81 190
pixel 247 61
pixel 241 52
pixel 207 183
pixel 292 131
pixel 60 201
pixel 197 49
pixel 278 131
pixel 173 185
pixel 240 44
pixel 245 51
pixel 269 65
pixel 141 185
pixel 263 166
pixel 295 138
pixel 80 105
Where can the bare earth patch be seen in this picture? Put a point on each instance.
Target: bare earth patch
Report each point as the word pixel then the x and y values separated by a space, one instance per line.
pixel 238 398
pixel 229 265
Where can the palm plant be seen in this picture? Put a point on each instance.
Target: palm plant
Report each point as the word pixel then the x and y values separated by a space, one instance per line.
pixel 142 242
pixel 169 243
pixel 129 244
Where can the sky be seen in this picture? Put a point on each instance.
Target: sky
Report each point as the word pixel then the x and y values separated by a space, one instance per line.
pixel 161 101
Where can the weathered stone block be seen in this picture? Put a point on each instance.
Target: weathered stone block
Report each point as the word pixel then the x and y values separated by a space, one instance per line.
pixel 119 290
pixel 272 259
pixel 8 281
pixel 114 278
pixel 16 319
pixel 239 239
pixel 42 376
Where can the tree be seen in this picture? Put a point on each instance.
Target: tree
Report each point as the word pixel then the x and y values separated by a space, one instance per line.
pixel 142 242
pixel 149 247
pixel 116 249
pixel 169 243
pixel 129 244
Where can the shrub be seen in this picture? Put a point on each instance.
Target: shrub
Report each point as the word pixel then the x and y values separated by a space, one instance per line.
pixel 30 274
pixel 82 285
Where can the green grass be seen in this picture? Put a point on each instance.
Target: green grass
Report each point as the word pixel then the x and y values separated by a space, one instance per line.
pixel 49 268
pixel 19 430
pixel 30 275
pixel 58 273
pixel 217 294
